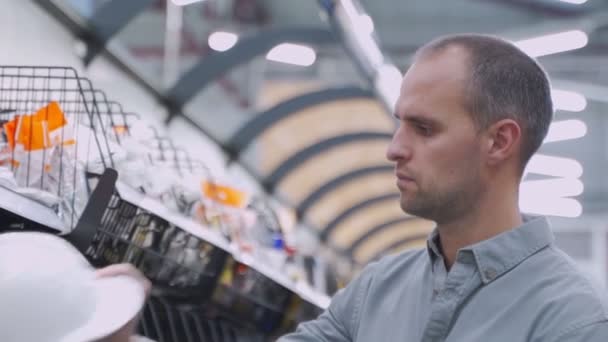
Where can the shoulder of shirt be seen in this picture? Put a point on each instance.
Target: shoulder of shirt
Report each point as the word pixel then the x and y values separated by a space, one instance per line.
pixel 587 286
pixel 573 294
pixel 397 265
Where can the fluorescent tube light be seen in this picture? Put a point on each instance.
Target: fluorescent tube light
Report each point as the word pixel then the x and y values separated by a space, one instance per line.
pixel 566 130
pixel 222 41
pixel 568 100
pixel 553 43
pixel 388 84
pixel 185 2
pixel 546 189
pixel 292 54
pixel 554 166
pixel 564 207
pixel 366 24
pixel 575 2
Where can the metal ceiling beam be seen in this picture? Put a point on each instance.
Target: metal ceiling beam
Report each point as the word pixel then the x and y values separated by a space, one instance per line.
pixel 327 230
pixel 218 63
pixel 399 243
pixel 108 21
pixel 263 121
pixel 335 183
pixel 302 156
pixel 376 230
pixel 79 28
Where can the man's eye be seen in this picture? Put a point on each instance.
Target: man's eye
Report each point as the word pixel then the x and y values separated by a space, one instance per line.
pixel 424 130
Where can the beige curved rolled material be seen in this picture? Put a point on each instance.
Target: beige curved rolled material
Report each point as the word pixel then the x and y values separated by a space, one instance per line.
pixel 359 223
pixel 349 194
pixel 377 243
pixel 412 244
pixel 274 92
pixel 335 162
pixel 306 127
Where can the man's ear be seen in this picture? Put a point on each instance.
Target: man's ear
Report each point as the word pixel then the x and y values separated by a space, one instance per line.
pixel 504 141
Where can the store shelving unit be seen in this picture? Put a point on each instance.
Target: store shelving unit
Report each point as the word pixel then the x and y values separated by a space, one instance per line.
pixel 205 287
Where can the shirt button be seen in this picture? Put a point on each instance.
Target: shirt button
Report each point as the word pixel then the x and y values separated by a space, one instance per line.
pixel 490 273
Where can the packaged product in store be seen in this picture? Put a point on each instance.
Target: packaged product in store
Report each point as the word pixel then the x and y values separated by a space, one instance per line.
pixel 230 204
pixel 43 159
pixel 30 138
pixel 48 199
pixel 174 255
pixel 267 228
pixel 184 195
pixel 145 235
pixel 7 179
pixel 194 259
pixel 94 151
pixel 207 212
pixel 226 195
pixel 66 178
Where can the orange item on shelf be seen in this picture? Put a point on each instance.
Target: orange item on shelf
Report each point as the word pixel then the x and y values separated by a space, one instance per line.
pixel 32 131
pixel 224 194
pixel 120 129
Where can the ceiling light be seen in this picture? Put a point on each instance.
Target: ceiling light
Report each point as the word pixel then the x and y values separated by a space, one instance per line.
pixel 292 54
pixel 388 84
pixel 544 189
pixel 553 43
pixel 576 2
pixel 366 24
pixel 222 41
pixel 185 2
pixel 564 207
pixel 568 100
pixel 566 130
pixel 554 166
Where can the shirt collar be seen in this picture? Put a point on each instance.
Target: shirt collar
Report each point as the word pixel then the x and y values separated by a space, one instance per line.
pixel 432 244
pixel 501 253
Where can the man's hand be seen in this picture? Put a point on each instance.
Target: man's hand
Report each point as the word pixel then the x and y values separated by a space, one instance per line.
pixel 126 333
pixel 126 270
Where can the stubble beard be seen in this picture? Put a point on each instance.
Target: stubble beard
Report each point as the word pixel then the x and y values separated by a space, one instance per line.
pixel 443 206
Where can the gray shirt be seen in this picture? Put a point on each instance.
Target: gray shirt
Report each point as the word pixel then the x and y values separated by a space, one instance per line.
pixel 517 286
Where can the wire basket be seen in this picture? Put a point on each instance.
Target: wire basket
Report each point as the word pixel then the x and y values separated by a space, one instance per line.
pixel 48 142
pixel 115 123
pixel 249 295
pixel 178 263
pixel 163 321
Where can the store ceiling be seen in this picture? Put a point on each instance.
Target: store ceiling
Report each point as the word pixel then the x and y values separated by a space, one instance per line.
pixel 377 226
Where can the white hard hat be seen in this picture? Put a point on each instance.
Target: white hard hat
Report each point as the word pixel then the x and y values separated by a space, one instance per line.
pixel 49 292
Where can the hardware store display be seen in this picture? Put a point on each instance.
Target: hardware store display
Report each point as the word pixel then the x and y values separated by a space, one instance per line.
pixel 213 252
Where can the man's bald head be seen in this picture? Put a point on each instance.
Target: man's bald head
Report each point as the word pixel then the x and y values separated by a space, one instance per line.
pixel 503 82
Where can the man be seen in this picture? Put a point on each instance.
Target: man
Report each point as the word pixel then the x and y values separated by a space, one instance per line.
pixel 472 111
pixel 49 292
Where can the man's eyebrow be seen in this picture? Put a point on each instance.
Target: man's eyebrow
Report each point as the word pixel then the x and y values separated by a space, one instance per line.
pixel 412 117
pixel 419 119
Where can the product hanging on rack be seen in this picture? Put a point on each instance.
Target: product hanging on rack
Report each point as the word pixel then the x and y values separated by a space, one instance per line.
pixel 45 146
pixel 196 238
pixel 191 271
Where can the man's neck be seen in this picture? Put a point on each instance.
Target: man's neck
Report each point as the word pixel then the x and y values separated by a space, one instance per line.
pixel 487 221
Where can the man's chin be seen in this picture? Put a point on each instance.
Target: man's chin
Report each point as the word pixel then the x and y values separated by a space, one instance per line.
pixel 411 209
pixel 406 205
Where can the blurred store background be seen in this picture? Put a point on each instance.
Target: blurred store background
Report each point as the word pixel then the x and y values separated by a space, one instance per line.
pixel 290 100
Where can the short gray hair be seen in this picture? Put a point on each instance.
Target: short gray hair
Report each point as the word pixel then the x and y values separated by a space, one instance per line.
pixel 504 83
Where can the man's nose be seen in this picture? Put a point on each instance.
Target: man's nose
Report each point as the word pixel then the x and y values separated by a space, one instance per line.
pixel 397 148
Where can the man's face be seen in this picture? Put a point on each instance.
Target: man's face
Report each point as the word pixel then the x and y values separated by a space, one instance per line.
pixel 436 147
